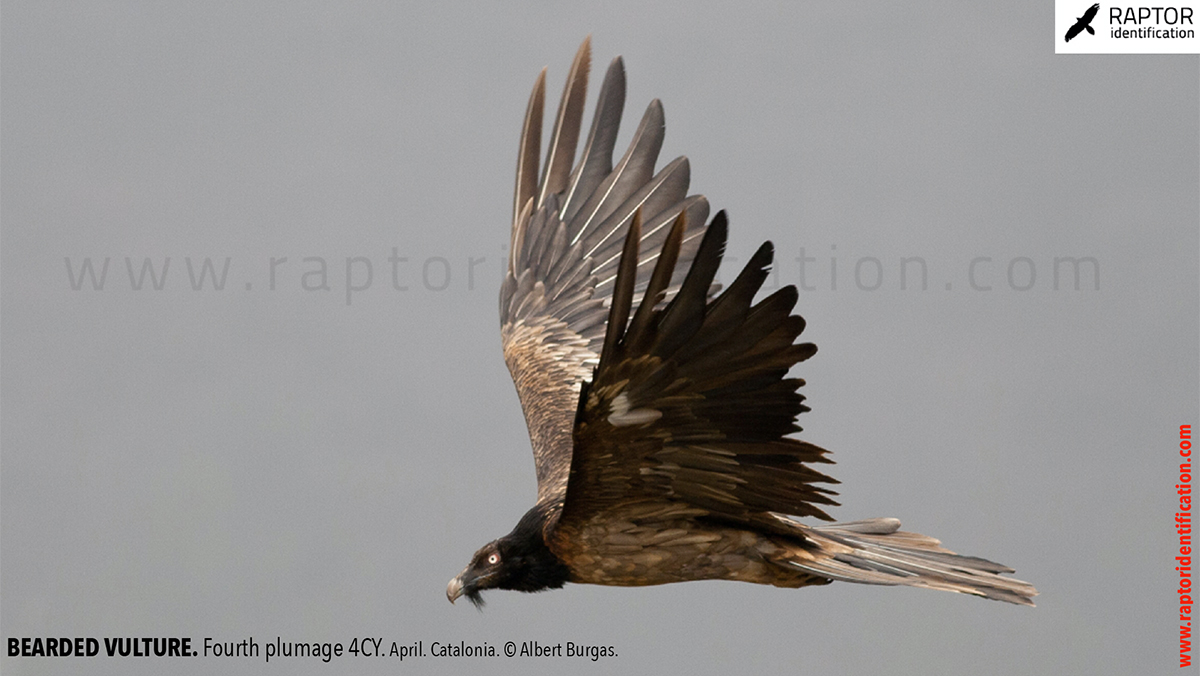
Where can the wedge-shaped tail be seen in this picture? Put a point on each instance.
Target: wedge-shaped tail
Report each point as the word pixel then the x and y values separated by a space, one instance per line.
pixel 876 551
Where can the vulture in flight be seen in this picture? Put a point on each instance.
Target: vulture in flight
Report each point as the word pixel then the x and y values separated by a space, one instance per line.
pixel 659 406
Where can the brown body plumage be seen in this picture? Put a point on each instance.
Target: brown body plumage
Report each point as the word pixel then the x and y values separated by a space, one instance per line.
pixel 660 411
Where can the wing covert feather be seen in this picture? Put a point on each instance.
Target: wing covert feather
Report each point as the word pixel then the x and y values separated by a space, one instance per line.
pixel 691 404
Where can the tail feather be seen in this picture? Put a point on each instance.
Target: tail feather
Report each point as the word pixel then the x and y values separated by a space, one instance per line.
pixel 876 551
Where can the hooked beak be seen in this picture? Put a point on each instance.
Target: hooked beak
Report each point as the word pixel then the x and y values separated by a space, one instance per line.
pixel 454 589
pixel 466 584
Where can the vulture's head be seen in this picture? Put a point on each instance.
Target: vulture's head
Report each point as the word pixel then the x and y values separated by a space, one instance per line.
pixel 519 561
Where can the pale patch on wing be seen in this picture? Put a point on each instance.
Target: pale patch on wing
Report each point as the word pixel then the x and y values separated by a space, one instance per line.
pixel 623 416
pixel 548 361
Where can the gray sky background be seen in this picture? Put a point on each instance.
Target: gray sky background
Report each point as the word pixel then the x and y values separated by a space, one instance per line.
pixel 257 462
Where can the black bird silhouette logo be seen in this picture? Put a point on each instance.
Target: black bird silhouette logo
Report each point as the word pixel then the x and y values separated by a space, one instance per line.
pixel 1084 22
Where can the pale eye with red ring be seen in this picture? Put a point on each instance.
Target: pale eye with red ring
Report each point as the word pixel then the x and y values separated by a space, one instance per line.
pixel 493 558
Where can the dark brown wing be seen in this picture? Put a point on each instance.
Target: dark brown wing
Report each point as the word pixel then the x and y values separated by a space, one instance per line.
pixel 568 228
pixel 682 467
pixel 691 404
